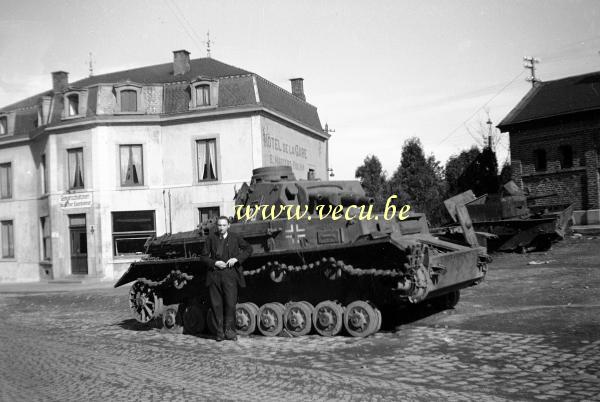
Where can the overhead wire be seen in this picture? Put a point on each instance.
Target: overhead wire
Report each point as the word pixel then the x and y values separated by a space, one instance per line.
pixel 482 107
pixel 182 23
pixel 551 57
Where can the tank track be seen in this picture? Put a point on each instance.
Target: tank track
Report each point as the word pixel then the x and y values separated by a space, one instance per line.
pixel 359 318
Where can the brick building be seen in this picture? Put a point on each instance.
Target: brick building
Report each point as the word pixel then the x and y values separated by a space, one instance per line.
pixel 90 169
pixel 555 143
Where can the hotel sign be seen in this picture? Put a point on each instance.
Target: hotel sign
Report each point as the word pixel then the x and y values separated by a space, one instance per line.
pixel 76 200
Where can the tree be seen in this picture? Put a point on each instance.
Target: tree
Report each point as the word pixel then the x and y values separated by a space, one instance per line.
pixel 418 181
pixel 505 173
pixel 482 174
pixel 455 167
pixel 372 177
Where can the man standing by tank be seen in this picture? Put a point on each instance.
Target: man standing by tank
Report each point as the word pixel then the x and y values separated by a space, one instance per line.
pixel 226 251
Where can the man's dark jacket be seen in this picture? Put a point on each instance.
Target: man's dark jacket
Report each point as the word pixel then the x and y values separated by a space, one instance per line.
pixel 235 247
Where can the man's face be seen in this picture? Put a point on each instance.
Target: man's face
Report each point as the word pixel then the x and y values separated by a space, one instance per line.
pixel 222 226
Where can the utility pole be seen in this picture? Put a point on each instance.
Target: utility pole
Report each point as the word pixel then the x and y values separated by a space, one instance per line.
pixel 530 65
pixel 489 138
pixel 327 131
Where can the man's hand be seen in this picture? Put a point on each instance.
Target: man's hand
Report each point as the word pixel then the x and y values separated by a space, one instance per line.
pixel 231 262
pixel 221 264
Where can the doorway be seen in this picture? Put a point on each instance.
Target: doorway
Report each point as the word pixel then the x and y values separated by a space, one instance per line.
pixel 78 239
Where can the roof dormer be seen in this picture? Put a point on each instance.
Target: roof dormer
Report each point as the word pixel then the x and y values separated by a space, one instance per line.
pixel 204 93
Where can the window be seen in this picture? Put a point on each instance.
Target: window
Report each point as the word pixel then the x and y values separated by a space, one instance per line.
pixel 3 125
pixel 75 168
pixel 208 214
pixel 44 174
pixel 128 100
pixel 73 105
pixel 566 156
pixel 206 151
pixel 539 156
pixel 7 236
pixel 132 168
pixel 203 95
pixel 129 97
pixel 46 239
pixel 131 230
pixel 5 180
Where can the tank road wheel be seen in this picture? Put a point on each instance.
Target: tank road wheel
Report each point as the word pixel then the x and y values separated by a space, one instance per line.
pixel 379 320
pixel 270 319
pixel 451 299
pixel 245 318
pixel 142 302
pixel 360 319
pixel 194 318
pixel 328 317
pixel 297 318
pixel 211 321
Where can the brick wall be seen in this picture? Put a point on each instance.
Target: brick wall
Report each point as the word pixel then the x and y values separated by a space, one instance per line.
pixel 579 183
pixel 152 99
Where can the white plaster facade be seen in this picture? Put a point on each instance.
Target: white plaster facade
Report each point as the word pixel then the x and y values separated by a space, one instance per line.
pixel 169 164
pixel 247 137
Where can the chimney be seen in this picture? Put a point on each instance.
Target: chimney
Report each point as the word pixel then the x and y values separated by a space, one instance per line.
pixel 181 62
pixel 60 81
pixel 298 88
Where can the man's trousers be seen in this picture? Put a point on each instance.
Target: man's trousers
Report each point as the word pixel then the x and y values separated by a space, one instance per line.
pixel 223 293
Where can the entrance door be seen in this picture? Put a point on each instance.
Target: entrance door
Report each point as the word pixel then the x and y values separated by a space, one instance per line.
pixel 78 231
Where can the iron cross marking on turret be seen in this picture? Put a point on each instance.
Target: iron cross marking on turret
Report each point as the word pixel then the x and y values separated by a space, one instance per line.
pixel 295 233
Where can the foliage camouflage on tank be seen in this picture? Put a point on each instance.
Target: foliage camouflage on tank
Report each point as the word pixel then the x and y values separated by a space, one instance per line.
pixel 312 274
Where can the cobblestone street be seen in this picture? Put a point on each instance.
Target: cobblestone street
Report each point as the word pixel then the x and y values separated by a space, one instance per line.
pixel 528 332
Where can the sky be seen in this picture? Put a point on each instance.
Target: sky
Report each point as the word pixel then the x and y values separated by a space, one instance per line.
pixel 379 72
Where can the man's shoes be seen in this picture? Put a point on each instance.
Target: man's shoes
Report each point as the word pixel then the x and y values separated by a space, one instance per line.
pixel 231 336
pixel 219 338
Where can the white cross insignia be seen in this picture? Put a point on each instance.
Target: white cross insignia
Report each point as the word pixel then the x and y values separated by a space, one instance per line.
pixel 295 233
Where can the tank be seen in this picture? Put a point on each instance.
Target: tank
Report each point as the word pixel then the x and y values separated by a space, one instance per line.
pixel 505 222
pixel 319 272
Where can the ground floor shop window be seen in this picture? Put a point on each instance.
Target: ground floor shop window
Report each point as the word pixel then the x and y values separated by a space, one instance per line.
pixel 7 239
pixel 130 230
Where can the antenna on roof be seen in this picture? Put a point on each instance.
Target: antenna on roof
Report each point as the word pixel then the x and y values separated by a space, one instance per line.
pixel 208 42
pixel 91 65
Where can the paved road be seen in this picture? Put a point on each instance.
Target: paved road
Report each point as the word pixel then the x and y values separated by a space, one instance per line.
pixel 528 332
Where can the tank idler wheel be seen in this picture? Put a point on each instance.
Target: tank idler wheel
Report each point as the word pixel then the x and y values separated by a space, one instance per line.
pixel 328 317
pixel 360 319
pixel 297 318
pixel 245 318
pixel 270 319
pixel 211 321
pixel 194 318
pixel 142 302
pixel 169 319
pixel 451 299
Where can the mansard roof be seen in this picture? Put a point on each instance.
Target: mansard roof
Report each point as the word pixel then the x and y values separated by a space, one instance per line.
pixel 236 89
